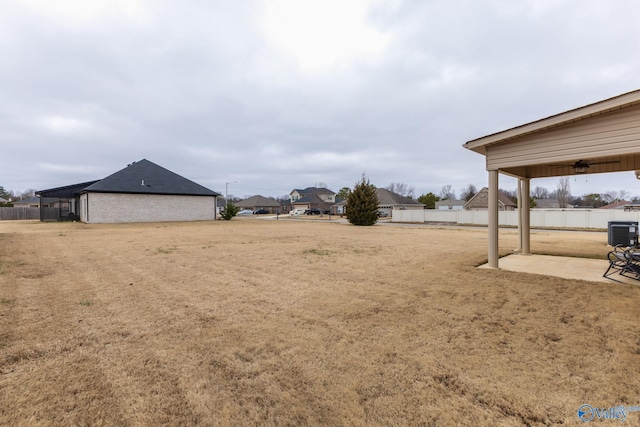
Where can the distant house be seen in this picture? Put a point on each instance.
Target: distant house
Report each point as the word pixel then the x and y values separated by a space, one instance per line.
pixel 141 192
pixel 547 204
pixel 620 205
pixel 388 201
pixel 480 202
pixel 310 198
pixel 340 208
pixel 450 205
pixel 35 202
pixel 260 202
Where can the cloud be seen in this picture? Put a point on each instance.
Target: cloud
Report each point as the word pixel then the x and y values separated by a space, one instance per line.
pixel 278 94
pixel 67 126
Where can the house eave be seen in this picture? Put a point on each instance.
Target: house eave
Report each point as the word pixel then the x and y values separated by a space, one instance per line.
pixel 148 193
pixel 628 99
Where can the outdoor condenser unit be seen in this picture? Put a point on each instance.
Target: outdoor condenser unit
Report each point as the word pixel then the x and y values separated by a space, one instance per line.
pixel 624 233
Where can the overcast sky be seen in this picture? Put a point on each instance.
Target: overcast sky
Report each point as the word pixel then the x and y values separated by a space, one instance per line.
pixel 284 94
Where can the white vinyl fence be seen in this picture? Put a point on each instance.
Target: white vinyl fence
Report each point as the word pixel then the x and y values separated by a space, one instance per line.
pixel 543 218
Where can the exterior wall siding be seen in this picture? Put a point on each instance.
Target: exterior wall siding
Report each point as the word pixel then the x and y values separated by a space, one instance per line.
pixel 121 208
pixel 613 134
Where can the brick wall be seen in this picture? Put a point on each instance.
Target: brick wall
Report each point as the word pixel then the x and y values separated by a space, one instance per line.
pixel 112 208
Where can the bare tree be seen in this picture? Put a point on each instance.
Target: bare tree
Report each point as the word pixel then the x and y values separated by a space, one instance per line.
pixel 563 191
pixel 540 193
pixel 609 197
pixel 447 193
pixel 321 185
pixel 615 196
pixel 468 192
pixel 402 189
pixel 28 193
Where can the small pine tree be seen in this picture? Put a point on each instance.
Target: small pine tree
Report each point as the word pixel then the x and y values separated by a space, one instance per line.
pixel 362 204
pixel 229 211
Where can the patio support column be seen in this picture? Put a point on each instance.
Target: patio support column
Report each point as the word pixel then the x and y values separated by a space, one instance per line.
pixel 525 217
pixel 493 219
pixel 519 196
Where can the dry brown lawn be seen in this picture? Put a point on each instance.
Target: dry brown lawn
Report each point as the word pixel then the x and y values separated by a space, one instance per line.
pixel 252 322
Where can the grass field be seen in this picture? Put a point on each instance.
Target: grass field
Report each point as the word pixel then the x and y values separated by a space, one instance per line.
pixel 251 322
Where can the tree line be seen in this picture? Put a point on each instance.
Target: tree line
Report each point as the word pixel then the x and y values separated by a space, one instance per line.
pixel 562 193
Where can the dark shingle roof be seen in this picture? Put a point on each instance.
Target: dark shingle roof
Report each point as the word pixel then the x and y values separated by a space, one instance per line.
pixel 145 177
pixel 258 201
pixel 66 192
pixel 310 198
pixel 386 197
pixel 314 190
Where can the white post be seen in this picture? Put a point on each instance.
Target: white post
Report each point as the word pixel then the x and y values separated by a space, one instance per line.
pixel 526 217
pixel 493 219
pixel 520 198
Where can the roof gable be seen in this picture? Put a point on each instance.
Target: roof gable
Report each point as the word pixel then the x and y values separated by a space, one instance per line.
pixel 145 177
pixel 481 199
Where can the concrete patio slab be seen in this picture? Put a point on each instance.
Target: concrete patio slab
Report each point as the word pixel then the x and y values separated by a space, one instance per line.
pixel 558 266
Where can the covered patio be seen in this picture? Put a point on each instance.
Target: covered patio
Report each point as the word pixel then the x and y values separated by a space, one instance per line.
pixel 588 269
pixel 596 138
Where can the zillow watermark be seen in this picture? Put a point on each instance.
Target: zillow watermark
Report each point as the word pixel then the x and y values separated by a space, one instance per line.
pixel 588 413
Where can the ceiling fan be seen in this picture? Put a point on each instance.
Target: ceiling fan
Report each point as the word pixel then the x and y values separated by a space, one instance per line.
pixel 582 166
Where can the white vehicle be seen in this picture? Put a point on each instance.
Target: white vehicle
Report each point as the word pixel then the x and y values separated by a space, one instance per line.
pixel 296 212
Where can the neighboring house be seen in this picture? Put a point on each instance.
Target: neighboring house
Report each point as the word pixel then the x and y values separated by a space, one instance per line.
pixel 547 204
pixel 340 207
pixel 141 192
pixel 621 205
pixel 3 200
pixel 450 205
pixel 311 197
pixel 34 202
pixel 388 201
pixel 480 202
pixel 260 202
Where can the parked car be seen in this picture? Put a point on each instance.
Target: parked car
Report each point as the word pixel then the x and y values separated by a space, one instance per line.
pixel 245 212
pixel 382 214
pixel 296 212
pixel 312 211
pixel 261 212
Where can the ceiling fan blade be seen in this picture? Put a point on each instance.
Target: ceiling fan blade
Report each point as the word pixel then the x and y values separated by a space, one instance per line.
pixel 608 162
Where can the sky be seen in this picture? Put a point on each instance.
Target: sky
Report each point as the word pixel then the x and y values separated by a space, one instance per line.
pixel 264 96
